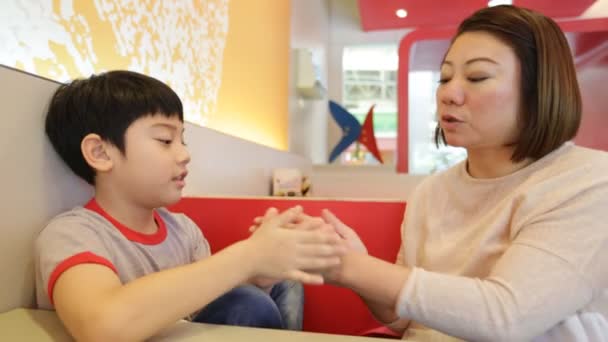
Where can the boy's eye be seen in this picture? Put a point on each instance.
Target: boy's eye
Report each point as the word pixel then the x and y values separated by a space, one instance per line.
pixel 165 141
pixel 444 80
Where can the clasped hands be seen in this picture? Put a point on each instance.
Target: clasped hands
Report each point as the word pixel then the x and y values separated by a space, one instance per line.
pixel 301 247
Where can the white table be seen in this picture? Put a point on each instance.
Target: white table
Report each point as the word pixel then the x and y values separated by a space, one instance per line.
pixel 42 326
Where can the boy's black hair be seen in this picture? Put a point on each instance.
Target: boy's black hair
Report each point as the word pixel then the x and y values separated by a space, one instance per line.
pixel 105 104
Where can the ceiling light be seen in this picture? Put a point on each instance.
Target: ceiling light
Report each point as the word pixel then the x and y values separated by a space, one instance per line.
pixel 401 13
pixel 499 2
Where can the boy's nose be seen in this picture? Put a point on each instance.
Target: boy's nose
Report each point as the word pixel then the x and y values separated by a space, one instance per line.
pixel 183 156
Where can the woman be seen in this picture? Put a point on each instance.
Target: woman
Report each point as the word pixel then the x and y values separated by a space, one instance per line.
pixel 511 244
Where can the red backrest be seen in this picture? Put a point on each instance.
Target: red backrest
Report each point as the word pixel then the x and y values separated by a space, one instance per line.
pixel 328 309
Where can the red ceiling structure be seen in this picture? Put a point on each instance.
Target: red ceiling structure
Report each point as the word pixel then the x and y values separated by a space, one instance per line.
pixel 435 21
pixel 381 14
pixel 422 49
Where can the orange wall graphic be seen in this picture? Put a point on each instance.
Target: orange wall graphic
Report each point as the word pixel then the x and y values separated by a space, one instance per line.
pixel 227 59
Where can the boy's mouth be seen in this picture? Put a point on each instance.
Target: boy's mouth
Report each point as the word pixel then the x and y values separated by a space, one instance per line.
pixel 181 176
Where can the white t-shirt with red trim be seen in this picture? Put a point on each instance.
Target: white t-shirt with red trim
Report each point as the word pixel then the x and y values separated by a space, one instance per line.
pixel 90 235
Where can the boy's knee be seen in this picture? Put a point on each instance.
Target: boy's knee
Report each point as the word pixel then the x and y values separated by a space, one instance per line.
pixel 253 307
pixel 288 293
pixel 290 285
pixel 289 298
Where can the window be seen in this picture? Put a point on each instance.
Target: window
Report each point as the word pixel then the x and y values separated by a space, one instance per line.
pixel 424 156
pixel 370 77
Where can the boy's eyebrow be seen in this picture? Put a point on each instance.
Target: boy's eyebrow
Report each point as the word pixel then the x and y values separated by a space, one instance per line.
pixel 167 125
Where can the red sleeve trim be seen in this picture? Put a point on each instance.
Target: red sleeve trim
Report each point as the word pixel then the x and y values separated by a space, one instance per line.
pixel 77 259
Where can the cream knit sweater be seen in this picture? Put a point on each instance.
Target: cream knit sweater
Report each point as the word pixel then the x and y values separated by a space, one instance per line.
pixel 518 258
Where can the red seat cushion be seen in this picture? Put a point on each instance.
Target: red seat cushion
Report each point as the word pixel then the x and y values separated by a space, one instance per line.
pixel 328 309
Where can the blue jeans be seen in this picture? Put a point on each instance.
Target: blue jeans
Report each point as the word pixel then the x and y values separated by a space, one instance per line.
pixel 249 306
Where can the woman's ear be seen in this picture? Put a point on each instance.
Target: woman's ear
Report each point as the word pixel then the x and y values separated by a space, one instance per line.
pixel 95 152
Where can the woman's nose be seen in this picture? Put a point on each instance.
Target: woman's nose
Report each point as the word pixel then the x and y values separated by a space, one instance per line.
pixel 451 93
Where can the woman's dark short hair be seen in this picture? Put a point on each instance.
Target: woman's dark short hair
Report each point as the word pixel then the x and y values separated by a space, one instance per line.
pixel 105 104
pixel 550 112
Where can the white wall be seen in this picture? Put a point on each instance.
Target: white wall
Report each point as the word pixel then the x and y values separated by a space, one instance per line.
pixel 330 25
pixel 325 26
pixel 345 30
pixel 308 118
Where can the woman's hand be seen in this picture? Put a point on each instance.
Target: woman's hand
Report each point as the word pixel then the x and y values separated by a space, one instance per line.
pixel 350 237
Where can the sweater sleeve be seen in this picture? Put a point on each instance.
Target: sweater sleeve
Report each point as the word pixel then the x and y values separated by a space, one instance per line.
pixel 554 266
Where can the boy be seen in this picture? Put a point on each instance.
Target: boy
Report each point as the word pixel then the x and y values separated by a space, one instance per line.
pixel 122 267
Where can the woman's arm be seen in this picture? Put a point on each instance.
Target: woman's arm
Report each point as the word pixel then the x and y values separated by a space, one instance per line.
pixel 550 271
pixel 378 283
pixel 363 271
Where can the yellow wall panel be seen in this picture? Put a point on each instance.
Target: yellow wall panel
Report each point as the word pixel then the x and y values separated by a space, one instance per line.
pixel 253 97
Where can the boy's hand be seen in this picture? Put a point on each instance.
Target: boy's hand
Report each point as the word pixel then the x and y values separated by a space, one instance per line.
pixel 287 253
pixel 330 224
pixel 301 221
pixel 264 283
pixel 306 222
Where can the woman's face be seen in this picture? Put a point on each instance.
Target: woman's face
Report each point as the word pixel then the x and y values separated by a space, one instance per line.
pixel 478 98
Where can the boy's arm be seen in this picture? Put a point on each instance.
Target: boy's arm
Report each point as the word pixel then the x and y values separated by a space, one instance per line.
pixel 94 305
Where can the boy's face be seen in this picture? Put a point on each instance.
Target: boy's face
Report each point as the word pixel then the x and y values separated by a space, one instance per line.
pixel 152 170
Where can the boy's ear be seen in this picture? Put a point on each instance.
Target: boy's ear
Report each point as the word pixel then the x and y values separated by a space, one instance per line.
pixel 95 152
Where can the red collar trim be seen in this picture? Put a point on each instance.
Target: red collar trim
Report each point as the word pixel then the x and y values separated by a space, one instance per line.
pixel 132 235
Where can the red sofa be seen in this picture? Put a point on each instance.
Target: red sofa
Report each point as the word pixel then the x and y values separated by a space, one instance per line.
pixel 328 309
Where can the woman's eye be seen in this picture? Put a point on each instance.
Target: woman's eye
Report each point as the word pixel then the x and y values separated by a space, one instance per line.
pixel 444 80
pixel 165 141
pixel 478 79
